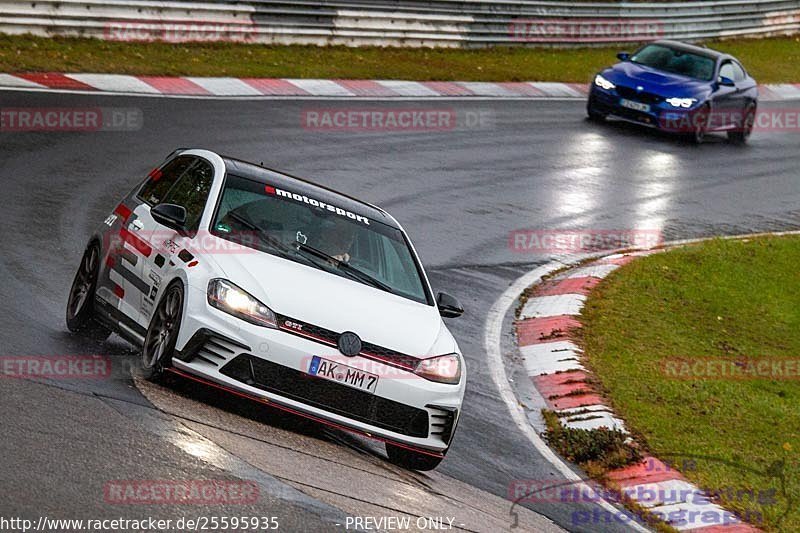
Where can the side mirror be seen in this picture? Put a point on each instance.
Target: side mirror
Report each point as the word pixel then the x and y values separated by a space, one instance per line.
pixel 169 215
pixel 726 82
pixel 623 56
pixel 448 306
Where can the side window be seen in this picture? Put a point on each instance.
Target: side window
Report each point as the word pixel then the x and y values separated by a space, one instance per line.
pixel 161 182
pixel 728 71
pixel 191 191
pixel 738 72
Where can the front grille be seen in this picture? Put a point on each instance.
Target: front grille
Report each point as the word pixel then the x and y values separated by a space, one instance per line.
pixel 368 350
pixel 632 94
pixel 328 395
pixel 635 116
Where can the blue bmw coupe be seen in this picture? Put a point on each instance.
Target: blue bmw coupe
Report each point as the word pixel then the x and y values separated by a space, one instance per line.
pixel 680 88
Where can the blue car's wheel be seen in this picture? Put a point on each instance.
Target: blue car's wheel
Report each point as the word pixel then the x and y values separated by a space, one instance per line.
pixel 700 124
pixel 742 133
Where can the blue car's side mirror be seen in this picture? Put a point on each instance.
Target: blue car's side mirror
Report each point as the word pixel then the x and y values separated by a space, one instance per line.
pixel 623 56
pixel 726 82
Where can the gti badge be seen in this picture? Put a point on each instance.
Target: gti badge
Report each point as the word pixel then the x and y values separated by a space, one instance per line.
pixel 349 343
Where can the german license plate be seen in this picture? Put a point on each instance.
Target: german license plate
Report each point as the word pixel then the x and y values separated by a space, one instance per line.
pixel 344 374
pixel 636 106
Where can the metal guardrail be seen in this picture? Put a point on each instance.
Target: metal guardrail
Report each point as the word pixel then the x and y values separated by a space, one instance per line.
pixel 467 23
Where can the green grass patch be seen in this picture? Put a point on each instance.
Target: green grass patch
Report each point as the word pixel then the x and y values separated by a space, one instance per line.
pixel 723 299
pixel 769 60
pixel 596 450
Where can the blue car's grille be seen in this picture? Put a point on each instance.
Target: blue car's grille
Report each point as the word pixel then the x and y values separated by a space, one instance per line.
pixel 639 96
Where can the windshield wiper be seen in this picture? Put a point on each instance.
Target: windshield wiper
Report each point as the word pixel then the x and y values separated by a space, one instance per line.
pixel 262 233
pixel 355 273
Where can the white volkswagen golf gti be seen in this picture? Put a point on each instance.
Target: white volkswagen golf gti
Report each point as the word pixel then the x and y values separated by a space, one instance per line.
pixel 281 290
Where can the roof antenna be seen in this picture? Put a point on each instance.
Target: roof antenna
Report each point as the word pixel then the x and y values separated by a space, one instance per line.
pixel 261 163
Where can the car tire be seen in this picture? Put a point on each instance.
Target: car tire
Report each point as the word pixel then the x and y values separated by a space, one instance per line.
pixel 741 137
pixel 700 124
pixel 162 333
pixel 80 313
pixel 411 460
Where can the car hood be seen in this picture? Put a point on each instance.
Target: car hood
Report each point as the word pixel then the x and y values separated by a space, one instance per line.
pixel 655 81
pixel 336 303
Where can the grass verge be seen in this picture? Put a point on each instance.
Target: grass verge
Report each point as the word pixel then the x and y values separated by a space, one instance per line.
pixel 597 451
pixel 729 300
pixel 769 60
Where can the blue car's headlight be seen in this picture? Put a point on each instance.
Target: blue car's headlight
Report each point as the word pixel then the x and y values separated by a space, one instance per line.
pixel 681 102
pixel 603 83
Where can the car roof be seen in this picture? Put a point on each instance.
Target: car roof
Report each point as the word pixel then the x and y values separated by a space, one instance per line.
pixel 300 186
pixel 686 47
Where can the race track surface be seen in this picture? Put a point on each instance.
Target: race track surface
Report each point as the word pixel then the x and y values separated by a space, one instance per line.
pixel 458 192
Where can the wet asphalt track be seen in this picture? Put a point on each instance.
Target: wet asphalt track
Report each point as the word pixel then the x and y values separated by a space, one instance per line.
pixel 459 193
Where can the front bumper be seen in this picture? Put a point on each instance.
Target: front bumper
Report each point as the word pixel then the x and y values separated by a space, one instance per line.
pixel 272 365
pixel 660 115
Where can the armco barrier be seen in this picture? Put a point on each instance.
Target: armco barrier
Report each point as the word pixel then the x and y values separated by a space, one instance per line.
pixel 466 23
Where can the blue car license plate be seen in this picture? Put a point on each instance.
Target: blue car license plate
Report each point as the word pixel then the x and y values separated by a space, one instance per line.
pixel 636 106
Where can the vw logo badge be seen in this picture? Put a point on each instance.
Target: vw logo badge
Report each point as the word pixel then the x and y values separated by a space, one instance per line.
pixel 349 343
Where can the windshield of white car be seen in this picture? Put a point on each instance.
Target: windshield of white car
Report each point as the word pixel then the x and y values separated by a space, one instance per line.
pixel 250 213
pixel 675 61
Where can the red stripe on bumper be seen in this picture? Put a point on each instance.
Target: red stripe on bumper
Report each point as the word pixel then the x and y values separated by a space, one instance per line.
pixel 298 413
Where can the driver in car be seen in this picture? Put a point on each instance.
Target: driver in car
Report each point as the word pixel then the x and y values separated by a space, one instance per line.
pixel 337 239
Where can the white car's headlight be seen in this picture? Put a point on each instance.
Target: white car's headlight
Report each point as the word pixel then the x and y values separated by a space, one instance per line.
pixel 600 81
pixel 681 102
pixel 443 368
pixel 227 297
